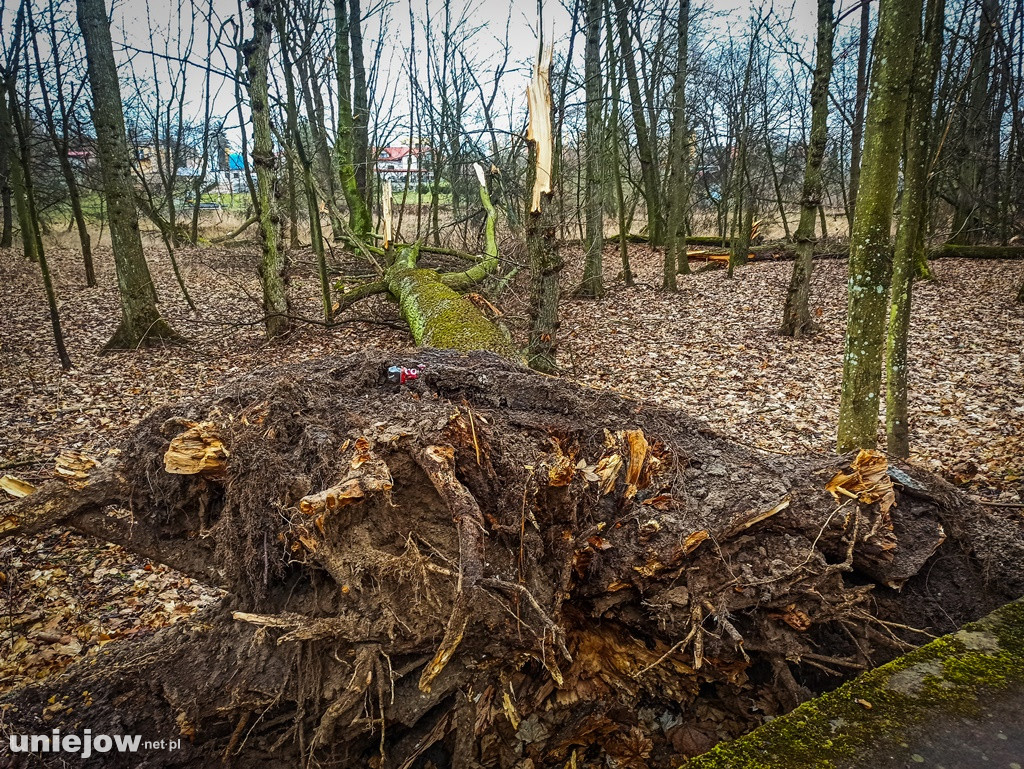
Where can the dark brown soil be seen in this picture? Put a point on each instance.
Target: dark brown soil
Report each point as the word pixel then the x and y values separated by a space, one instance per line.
pixel 532 574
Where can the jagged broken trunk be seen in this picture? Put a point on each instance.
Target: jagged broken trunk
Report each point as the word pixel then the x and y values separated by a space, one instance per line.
pixel 491 568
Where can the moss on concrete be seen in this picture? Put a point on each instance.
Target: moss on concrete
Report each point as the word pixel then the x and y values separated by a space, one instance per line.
pixel 946 676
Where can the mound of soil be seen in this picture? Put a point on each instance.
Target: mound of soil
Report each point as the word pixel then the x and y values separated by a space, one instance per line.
pixel 485 567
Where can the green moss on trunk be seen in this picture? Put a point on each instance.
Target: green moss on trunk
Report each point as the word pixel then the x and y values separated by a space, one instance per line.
pixel 437 315
pixel 871 240
pixel 948 676
pixel 359 215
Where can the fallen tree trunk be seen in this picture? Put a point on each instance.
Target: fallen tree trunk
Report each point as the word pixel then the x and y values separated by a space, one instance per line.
pixel 437 315
pixel 236 232
pixel 492 568
pixel 952 251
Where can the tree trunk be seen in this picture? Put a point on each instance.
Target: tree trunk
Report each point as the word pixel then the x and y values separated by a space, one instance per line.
pixel 742 190
pixel 360 108
pixel 796 315
pixel 910 231
pixel 968 219
pixel 676 259
pixel 485 565
pixel 899 29
pixel 293 196
pixel 428 300
pixel 613 137
pixel 857 130
pixel 6 186
pixel 25 166
pixel 645 144
pixel 276 307
pixel 541 222
pixel 305 158
pixel 141 323
pixel 9 115
pixel 593 269
pixel 436 314
pixel 344 150
pixel 6 201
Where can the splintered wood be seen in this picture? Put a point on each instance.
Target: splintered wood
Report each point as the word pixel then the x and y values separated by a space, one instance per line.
pixel 538 130
pixel 16 487
pixel 197 451
pixel 386 216
pixel 868 481
pixel 368 473
pixel 347 493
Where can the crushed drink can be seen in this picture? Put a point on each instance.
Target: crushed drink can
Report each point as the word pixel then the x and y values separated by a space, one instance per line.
pixel 401 375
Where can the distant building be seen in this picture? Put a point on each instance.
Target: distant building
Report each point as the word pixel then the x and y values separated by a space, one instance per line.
pixel 396 164
pixel 80 159
pixel 228 173
pixel 150 165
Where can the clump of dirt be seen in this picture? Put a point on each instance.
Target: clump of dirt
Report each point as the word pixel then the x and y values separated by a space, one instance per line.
pixel 488 567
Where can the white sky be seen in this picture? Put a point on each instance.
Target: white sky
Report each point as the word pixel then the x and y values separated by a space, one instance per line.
pixel 133 19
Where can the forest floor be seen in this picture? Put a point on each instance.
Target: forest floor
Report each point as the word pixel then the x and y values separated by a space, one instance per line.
pixel 711 349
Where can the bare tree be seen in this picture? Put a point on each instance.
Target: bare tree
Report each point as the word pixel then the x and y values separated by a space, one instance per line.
pixel 541 223
pixel 796 316
pixel 593 271
pixel 909 248
pixel 273 265
pixel 141 323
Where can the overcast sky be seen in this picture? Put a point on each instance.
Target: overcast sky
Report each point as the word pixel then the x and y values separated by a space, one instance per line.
pixel 134 20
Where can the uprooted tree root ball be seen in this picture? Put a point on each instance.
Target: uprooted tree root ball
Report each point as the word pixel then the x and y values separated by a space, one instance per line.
pixel 490 568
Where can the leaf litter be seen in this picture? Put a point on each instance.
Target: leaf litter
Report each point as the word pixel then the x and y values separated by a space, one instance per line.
pixel 711 349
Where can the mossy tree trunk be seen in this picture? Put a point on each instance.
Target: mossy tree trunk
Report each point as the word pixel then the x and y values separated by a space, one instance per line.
pixel 273 265
pixel 344 149
pixel 430 302
pixel 437 315
pixel 909 251
pixel 796 315
pixel 141 323
pixel 676 259
pixel 871 240
pixel 593 269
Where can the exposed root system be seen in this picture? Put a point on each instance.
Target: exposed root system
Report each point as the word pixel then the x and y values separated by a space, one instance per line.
pixel 491 568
